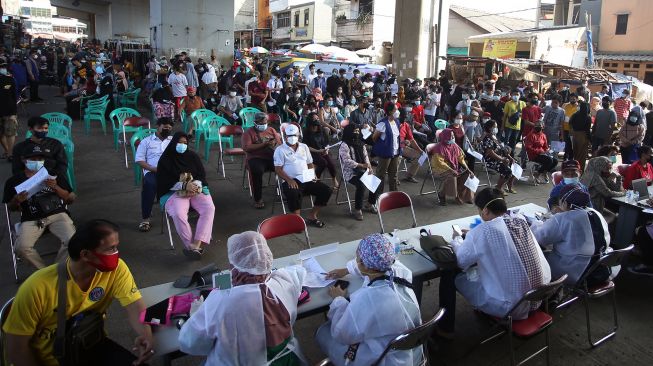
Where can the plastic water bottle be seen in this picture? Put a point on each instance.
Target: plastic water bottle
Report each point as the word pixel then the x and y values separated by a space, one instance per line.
pixel 629 196
pixel 396 241
pixel 635 196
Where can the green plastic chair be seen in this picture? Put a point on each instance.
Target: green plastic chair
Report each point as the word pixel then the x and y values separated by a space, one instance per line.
pixel 130 98
pixel 83 102
pixel 212 134
pixel 441 124
pixel 135 141
pixel 60 118
pixel 198 118
pixel 117 117
pixel 247 116
pixel 96 110
pixel 69 149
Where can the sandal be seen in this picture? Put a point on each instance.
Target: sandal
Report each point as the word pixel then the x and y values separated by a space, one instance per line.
pixel 315 222
pixel 511 190
pixel 144 226
pixel 358 215
pixel 259 205
pixel 194 254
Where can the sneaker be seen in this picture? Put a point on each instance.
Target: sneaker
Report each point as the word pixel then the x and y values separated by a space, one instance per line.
pixel 370 208
pixel 641 269
pixel 358 215
pixel 546 179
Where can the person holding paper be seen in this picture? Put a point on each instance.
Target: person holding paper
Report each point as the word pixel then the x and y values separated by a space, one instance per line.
pixel 537 149
pixel 385 306
pixel 355 163
pixel 292 162
pixel 497 156
pixel 450 169
pixel 44 209
pixel 53 150
pixel 387 147
pixel 252 322
pixel 317 139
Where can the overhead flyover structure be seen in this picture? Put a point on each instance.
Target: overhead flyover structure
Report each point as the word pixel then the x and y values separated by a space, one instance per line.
pixel 199 27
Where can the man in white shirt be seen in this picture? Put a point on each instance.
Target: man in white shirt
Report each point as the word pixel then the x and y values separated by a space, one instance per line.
pixel 275 85
pixel 210 79
pixel 147 157
pixel 292 162
pixel 230 105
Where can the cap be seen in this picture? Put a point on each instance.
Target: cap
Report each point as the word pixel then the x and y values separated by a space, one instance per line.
pixel 570 164
pixel 34 151
pixel 319 71
pixel 487 114
pixel 291 130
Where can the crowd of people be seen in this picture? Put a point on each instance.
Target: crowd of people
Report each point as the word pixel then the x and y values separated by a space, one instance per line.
pixel 376 122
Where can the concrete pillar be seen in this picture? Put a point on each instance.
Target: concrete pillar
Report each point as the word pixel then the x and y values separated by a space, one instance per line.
pixel 415 38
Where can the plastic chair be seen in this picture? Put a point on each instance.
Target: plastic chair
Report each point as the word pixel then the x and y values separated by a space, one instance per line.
pixel 441 124
pixel 283 225
pixel 130 98
pixel 117 117
pixel 96 110
pixel 247 116
pixel 60 118
pixel 621 169
pixel 343 184
pixel 538 321
pixel 69 149
pixel 132 124
pixel 83 102
pixel 556 178
pixel 212 127
pixel 582 291
pixel 532 167
pixel 392 200
pixel 134 142
pixel 229 131
pixel 198 118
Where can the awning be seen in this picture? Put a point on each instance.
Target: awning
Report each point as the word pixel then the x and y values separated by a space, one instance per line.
pixel 457 51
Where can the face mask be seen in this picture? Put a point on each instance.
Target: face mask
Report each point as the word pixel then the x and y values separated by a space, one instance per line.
pixel 330 103
pixel 108 262
pixel 181 148
pixel 452 141
pixel 232 94
pixel 353 101
pixel 484 120
pixel 515 98
pixel 165 132
pixel 291 140
pixel 298 96
pixel 39 134
pixel 339 91
pixel 633 118
pixel 465 96
pixel 34 165
pixel 613 158
pixel 3 71
pixel 496 98
pixel 262 127
pixel 537 128
pixel 457 121
pixel 573 180
pixel 396 114
pixel 495 131
pixel 472 95
pixel 535 101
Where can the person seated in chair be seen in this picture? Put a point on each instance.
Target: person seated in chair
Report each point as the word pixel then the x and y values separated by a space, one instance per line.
pixel 52 149
pixel 291 160
pixel 358 330
pixel 450 168
pixel 501 259
pixel 259 143
pixel 147 157
pixel 192 102
pixel 570 170
pixel 230 105
pixel 640 169
pixel 537 149
pixel 44 210
pixel 497 156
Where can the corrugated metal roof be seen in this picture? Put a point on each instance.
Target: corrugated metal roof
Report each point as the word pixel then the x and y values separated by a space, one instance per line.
pixel 623 57
pixel 490 22
pixel 524 33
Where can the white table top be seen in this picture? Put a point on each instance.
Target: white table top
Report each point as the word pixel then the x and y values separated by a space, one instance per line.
pixel 166 336
pixel 622 199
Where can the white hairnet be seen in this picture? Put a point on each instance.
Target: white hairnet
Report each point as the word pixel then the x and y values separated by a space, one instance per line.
pixel 249 252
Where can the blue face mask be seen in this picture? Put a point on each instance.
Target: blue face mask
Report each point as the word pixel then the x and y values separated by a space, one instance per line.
pixel 330 103
pixel 34 165
pixel 417 102
pixel 451 142
pixel 181 148
pixel 574 180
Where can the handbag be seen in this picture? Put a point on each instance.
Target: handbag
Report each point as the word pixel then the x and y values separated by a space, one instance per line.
pixel 438 250
pixel 47 203
pixel 76 337
pixel 514 118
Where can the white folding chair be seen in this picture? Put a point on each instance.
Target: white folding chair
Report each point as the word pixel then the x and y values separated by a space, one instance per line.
pixel 430 150
pixel 343 183
pixel 280 195
pixel 12 229
pixel 164 216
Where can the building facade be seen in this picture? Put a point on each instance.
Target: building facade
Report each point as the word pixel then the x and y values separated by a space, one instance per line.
pixel 365 24
pixel 295 22
pixel 252 19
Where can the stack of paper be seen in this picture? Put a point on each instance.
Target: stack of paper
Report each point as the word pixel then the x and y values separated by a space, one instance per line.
pixel 472 183
pixel 315 274
pixel 517 170
pixel 370 181
pixel 35 183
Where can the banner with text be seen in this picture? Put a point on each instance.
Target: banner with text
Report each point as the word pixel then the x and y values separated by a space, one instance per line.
pixel 500 48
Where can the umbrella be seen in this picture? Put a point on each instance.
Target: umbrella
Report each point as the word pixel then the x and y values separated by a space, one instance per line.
pixel 366 52
pixel 258 49
pixel 314 48
pixel 341 53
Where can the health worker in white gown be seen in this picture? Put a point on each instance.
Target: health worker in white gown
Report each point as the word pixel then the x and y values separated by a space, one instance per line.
pixel 251 323
pixel 359 330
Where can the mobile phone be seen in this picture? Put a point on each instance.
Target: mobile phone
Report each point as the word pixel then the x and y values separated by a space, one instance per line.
pixel 342 284
pixel 456 230
pixel 222 280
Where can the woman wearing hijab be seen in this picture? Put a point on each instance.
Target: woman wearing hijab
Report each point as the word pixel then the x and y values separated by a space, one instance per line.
pixel 251 322
pixel 450 169
pixel 355 163
pixel 177 194
pixel 581 124
pixel 384 307
pixel 602 184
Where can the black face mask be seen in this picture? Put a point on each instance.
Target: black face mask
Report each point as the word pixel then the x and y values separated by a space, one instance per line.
pixel 605 105
pixel 165 132
pixel 537 129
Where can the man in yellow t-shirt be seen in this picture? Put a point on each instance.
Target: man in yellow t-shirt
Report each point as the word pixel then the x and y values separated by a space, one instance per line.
pixel 569 108
pixel 512 128
pixel 96 276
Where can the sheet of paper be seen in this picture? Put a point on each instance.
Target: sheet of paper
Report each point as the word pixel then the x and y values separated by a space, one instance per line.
pixel 317 251
pixel 648 211
pixel 475 154
pixel 366 133
pixel 422 159
pixel 371 181
pixel 472 183
pixel 315 276
pixel 35 183
pixel 308 175
pixel 517 170
pixel 558 146
pixel 334 145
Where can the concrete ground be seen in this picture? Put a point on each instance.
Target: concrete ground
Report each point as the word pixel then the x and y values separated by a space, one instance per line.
pixel 106 190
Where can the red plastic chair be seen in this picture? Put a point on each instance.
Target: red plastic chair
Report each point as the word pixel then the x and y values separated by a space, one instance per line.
pixel 556 178
pixel 229 131
pixel 132 124
pixel 393 200
pixel 282 225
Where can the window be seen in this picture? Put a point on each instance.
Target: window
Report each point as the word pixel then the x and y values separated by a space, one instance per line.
pixel 297 19
pixel 627 65
pixel 24 11
pixel 283 20
pixel 636 66
pixel 622 24
pixel 306 16
pixel 41 12
pixel 649 66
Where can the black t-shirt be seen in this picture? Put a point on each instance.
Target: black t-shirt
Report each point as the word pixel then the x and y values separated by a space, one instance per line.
pixel 29 211
pixel 7 96
pixel 55 156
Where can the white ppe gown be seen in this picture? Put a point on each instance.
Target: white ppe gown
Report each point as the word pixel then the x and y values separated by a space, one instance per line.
pixel 229 327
